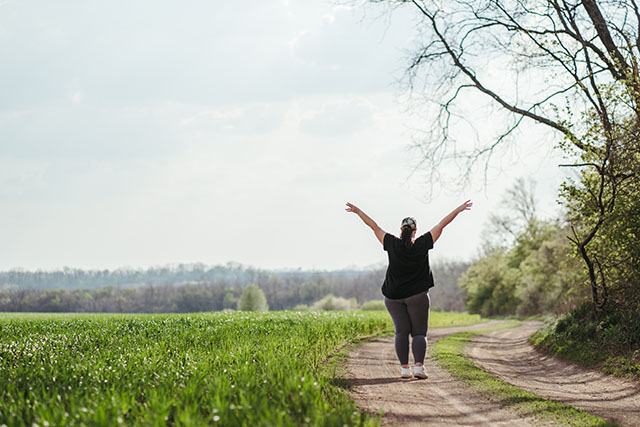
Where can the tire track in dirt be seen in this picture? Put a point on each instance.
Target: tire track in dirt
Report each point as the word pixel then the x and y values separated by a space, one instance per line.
pixel 374 374
pixel 508 355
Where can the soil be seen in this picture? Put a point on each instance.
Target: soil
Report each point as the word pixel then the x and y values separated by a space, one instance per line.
pixel 376 386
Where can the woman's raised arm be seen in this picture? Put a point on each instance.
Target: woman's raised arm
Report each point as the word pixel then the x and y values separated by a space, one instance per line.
pixel 379 232
pixel 437 230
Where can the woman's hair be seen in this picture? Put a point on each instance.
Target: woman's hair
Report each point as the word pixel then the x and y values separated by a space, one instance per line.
pixel 406 237
pixel 408 226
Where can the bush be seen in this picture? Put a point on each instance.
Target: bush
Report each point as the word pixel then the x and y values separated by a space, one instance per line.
pixel 373 305
pixel 253 299
pixel 331 302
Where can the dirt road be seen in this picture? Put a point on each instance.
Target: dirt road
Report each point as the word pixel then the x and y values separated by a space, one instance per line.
pixel 373 371
pixel 508 355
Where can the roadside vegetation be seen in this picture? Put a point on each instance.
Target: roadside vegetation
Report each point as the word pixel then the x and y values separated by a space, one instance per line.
pixel 225 368
pixel 594 343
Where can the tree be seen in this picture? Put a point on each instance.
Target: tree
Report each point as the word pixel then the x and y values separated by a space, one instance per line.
pixel 229 300
pixel 253 299
pixel 517 213
pixel 571 66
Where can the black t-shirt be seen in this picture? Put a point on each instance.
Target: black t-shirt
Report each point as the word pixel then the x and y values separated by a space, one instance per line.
pixel 408 273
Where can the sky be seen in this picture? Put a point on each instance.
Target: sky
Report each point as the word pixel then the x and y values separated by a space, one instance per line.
pixel 140 133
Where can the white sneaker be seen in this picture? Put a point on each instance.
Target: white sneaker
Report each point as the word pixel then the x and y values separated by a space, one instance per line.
pixel 419 372
pixel 406 373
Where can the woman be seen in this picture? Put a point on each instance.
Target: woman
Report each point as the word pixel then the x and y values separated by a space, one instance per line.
pixel 407 282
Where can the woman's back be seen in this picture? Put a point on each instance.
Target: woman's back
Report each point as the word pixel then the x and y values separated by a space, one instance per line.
pixel 408 272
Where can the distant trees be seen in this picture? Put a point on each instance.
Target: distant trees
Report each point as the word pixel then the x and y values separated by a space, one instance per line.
pixel 283 290
pixel 447 295
pixel 71 278
pixel 253 299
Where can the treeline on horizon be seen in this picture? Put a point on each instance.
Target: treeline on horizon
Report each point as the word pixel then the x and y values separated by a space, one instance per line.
pixel 188 288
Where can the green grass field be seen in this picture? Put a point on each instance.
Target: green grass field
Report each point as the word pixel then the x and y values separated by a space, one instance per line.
pixel 198 369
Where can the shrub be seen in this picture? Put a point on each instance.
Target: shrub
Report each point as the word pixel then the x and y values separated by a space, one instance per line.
pixel 331 302
pixel 253 299
pixel 373 305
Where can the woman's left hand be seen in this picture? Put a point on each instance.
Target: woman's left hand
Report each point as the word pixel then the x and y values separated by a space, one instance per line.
pixel 465 206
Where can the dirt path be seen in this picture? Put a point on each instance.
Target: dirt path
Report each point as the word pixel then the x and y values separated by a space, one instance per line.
pixel 374 372
pixel 508 355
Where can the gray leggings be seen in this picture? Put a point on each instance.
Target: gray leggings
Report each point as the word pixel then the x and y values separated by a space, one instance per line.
pixel 410 316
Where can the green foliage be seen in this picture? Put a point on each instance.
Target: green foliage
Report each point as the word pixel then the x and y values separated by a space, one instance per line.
pixel 490 286
pixel 449 352
pixel 253 299
pixel 537 275
pixel 331 302
pixel 373 305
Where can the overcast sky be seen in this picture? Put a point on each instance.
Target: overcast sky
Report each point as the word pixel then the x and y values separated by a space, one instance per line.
pixel 140 133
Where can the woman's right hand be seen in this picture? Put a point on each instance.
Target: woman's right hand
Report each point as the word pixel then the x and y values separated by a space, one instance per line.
pixel 352 208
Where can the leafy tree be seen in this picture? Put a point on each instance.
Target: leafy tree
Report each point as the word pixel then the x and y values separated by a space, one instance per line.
pixel 491 286
pixel 253 299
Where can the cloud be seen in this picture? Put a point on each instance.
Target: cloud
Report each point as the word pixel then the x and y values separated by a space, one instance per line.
pixel 243 119
pixel 89 132
pixel 337 119
pixel 20 176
